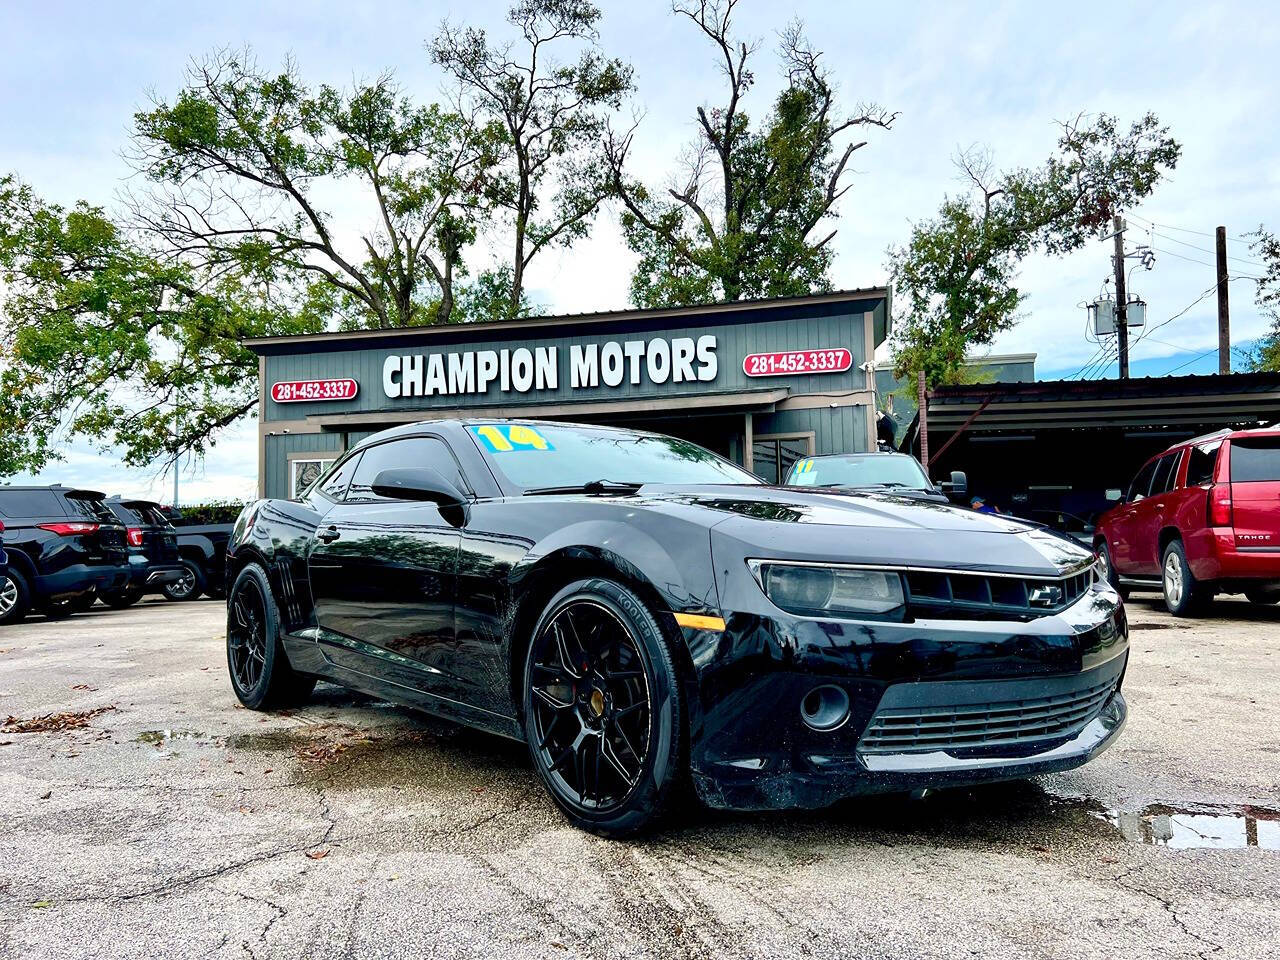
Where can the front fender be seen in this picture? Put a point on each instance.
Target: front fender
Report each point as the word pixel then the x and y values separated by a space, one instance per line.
pixel 677 566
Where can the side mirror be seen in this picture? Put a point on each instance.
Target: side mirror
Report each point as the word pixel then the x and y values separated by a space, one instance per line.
pixel 957 488
pixel 1113 495
pixel 418 483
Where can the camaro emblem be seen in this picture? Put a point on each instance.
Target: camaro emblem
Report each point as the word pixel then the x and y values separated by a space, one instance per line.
pixel 1046 595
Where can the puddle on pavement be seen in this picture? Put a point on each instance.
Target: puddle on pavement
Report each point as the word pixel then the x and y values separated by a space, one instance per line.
pixel 1198 827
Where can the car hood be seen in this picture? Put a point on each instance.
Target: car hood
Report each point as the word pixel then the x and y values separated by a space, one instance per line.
pixel 871 527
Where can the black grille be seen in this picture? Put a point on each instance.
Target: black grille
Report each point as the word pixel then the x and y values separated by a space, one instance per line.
pixel 922 729
pixel 943 594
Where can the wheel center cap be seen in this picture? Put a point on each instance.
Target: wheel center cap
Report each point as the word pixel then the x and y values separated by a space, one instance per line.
pixel 597 702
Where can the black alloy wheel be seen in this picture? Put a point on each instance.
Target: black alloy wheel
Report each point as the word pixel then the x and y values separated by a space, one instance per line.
pixel 261 675
pixel 602 709
pixel 190 586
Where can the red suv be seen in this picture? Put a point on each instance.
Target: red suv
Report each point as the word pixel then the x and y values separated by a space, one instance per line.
pixel 1202 517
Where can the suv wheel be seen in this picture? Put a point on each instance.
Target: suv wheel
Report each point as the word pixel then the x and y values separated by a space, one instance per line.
pixel 1109 571
pixel 119 599
pixel 15 597
pixel 190 586
pixel 1263 596
pixel 1184 595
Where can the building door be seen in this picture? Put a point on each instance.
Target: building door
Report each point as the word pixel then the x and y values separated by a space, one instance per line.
pixel 773 455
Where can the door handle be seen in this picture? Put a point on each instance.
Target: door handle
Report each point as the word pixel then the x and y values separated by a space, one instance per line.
pixel 328 535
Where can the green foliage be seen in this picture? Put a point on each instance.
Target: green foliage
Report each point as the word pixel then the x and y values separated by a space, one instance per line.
pixel 744 222
pixel 552 117
pixel 488 297
pixel 104 340
pixel 209 512
pixel 239 160
pixel 955 279
pixel 1267 354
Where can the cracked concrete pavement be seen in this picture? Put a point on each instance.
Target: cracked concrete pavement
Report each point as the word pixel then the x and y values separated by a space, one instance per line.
pixel 180 825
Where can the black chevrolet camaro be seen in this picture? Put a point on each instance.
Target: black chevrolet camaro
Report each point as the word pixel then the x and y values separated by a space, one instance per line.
pixel 645 614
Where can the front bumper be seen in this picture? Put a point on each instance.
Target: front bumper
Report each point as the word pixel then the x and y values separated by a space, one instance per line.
pixel 750 747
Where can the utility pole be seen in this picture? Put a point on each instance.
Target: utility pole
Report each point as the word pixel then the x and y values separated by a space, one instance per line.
pixel 1224 314
pixel 1122 318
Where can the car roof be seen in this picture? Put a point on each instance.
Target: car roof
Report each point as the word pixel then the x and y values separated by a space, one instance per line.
pixel 861 455
pixel 1226 433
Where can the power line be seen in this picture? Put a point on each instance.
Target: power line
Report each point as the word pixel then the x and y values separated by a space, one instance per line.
pixel 1203 263
pixel 1198 233
pixel 1254 263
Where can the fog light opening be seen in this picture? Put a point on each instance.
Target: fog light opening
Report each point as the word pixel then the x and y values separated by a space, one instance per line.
pixel 825 707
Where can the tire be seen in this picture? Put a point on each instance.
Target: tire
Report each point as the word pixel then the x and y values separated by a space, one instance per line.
pixel 1262 596
pixel 57 609
pixel 15 597
pixel 1109 570
pixel 587 703
pixel 261 675
pixel 83 603
pixel 120 599
pixel 189 587
pixel 1184 595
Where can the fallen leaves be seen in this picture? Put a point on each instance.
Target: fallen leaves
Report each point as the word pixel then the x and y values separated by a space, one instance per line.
pixel 318 854
pixel 53 722
pixel 83 686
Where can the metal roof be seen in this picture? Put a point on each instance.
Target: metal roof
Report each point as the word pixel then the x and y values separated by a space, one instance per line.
pixel 1236 399
pixel 723 311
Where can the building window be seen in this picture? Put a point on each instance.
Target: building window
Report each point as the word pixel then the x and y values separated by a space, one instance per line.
pixel 772 456
pixel 303 473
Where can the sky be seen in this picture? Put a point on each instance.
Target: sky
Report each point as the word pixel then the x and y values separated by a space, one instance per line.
pixel 995 75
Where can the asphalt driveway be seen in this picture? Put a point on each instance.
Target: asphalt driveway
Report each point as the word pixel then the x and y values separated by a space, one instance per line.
pixel 157 818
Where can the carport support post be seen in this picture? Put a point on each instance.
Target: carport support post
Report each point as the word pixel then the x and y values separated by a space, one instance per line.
pixel 1122 313
pixel 922 400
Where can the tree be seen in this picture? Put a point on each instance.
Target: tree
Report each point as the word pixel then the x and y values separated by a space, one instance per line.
pixel 105 340
pixel 955 279
pixel 553 117
pixel 240 160
pixel 744 219
pixel 1266 355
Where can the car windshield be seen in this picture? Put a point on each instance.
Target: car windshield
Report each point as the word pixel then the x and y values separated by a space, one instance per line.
pixel 541 456
pixel 876 470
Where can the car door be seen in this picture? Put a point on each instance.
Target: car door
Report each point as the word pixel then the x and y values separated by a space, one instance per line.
pixel 1124 523
pixel 383 574
pixel 1151 515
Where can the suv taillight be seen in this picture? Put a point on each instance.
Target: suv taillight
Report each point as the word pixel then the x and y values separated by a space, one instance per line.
pixel 1220 505
pixel 69 529
pixel 134 535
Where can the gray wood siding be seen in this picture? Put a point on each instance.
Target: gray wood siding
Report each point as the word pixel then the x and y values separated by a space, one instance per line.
pixel 839 430
pixel 279 448
pixel 734 342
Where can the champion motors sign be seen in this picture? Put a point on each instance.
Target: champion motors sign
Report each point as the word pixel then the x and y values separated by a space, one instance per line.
pixel 655 361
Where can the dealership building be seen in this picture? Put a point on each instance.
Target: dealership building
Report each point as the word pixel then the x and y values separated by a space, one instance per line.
pixel 760 382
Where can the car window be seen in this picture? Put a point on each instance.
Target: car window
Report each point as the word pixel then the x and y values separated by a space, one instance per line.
pixel 1166 469
pixel 551 456
pixel 1141 483
pixel 1255 459
pixel 125 515
pixel 30 503
pixel 875 470
pixel 403 454
pixel 1202 463
pixel 90 509
pixel 334 483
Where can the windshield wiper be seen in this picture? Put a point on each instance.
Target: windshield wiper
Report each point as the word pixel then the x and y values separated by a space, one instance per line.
pixel 591 486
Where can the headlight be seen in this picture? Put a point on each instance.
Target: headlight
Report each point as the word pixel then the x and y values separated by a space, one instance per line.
pixel 820 591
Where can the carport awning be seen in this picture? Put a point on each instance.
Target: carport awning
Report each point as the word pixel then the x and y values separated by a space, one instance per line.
pixel 752 401
pixel 1235 399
